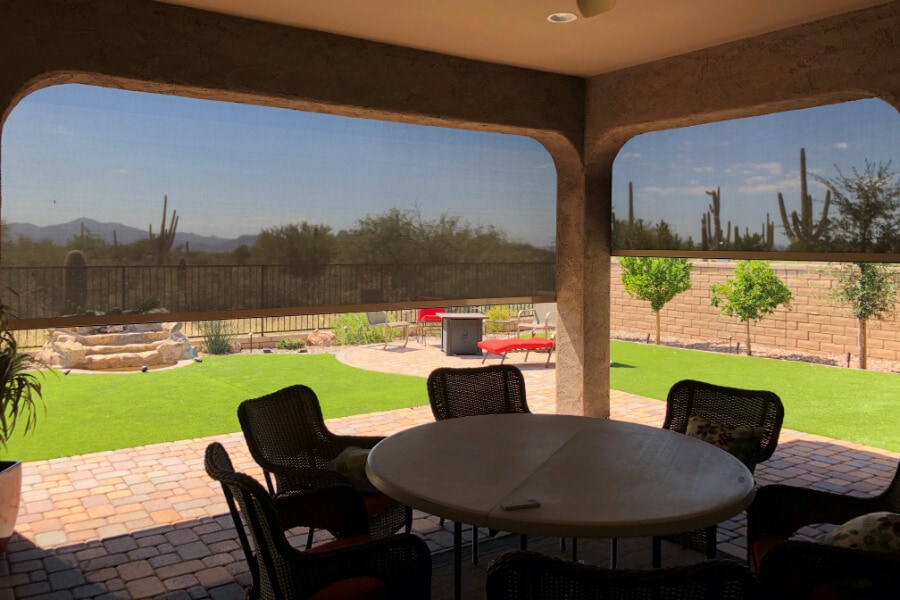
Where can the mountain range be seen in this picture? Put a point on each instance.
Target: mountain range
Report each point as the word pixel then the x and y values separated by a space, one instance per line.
pixel 62 233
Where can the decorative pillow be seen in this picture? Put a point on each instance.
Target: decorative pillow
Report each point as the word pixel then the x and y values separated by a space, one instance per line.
pixel 876 532
pixel 351 463
pixel 741 442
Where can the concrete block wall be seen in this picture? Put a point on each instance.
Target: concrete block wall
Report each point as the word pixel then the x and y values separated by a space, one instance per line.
pixel 812 325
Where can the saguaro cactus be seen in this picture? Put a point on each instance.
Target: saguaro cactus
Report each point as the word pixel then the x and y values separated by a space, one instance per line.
pixel 800 229
pixel 166 235
pixel 630 204
pixel 765 240
pixel 712 237
pixel 75 281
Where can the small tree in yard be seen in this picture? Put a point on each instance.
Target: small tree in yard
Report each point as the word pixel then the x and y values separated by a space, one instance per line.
pixel 871 291
pixel 755 291
pixel 656 280
pixel 868 204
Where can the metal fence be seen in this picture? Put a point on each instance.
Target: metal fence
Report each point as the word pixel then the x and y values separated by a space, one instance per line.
pixel 289 326
pixel 55 291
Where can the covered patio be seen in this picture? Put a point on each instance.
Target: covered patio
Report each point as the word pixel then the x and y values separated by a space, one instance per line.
pixel 148 522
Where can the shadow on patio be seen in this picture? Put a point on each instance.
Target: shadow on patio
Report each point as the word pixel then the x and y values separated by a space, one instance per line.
pixel 148 522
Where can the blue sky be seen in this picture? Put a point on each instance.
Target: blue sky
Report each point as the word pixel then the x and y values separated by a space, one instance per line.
pixel 228 169
pixel 750 161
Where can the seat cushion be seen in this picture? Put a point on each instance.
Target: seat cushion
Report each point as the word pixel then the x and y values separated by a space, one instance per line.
pixel 501 347
pixel 376 503
pixel 343 542
pixel 740 442
pixel 355 588
pixel 351 463
pixel 759 549
pixel 875 532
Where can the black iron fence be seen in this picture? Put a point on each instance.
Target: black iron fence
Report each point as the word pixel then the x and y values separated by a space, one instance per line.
pixel 53 292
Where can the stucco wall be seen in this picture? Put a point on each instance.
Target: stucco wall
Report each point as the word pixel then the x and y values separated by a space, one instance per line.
pixel 843 58
pixel 155 47
pixel 812 325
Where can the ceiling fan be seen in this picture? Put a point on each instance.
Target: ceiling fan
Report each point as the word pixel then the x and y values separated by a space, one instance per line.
pixel 592 8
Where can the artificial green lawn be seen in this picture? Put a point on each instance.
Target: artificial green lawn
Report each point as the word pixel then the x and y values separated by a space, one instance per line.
pixel 95 412
pixel 92 412
pixel 845 404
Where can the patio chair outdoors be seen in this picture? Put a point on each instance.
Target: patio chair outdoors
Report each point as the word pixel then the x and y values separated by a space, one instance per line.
pixel 801 566
pixel 426 317
pixel 540 319
pixel 379 317
pixel 533 576
pixel 355 566
pixel 472 391
pixel 287 436
pixel 695 407
pixel 464 392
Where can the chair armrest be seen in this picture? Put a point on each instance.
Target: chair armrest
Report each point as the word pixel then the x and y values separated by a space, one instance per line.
pixel 526 319
pixel 360 441
pixel 296 479
pixel 779 510
pixel 794 569
pixel 401 561
pixel 338 508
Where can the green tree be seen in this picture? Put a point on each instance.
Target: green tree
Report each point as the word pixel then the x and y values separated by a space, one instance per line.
pixel 868 206
pixel 871 291
pixel 656 280
pixel 306 248
pixel 755 291
pixel 388 238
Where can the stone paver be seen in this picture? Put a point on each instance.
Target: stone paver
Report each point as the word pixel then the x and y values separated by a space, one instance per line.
pixel 148 523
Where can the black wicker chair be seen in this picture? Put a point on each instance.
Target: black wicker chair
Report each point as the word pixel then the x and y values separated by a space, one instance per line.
pixel 533 576
pixel 727 406
pixel 795 567
pixel 287 436
pixel 398 566
pixel 467 392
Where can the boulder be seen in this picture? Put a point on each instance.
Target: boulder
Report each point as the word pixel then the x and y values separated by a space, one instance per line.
pixel 320 338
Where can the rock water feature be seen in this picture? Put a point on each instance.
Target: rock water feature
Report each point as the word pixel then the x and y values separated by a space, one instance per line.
pixel 116 347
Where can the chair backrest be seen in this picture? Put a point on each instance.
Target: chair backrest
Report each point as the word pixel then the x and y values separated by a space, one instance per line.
pixel 545 314
pixel 286 429
pixel 376 317
pixel 466 392
pixel 804 569
pixel 271 573
pixel 429 314
pixel 523 575
pixel 727 406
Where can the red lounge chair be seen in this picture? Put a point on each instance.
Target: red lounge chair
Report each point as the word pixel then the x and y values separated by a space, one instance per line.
pixel 503 347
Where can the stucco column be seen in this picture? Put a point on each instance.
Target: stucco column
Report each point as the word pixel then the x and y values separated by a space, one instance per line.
pixel 582 371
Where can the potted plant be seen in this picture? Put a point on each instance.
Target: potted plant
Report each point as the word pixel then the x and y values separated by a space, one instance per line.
pixel 20 397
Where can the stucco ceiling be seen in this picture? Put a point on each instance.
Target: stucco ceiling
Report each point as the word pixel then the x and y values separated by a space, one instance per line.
pixel 517 32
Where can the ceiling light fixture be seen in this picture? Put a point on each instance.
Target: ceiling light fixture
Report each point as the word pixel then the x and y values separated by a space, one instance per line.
pixel 592 8
pixel 561 18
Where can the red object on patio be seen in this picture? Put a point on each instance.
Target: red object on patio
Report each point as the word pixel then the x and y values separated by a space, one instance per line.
pixel 503 347
pixel 426 316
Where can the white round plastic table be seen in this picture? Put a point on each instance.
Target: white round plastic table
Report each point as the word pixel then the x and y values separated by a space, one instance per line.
pixel 593 478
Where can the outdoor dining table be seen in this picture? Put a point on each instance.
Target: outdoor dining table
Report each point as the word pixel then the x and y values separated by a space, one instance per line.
pixel 592 478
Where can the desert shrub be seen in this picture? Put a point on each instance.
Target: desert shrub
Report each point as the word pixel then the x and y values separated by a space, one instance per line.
pixel 497 313
pixel 292 344
pixel 353 329
pixel 217 336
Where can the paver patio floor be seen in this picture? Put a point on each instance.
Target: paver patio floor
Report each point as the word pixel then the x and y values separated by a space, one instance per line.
pixel 148 523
